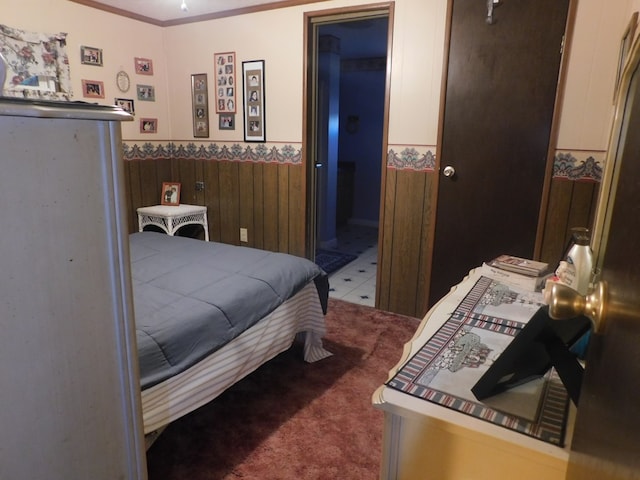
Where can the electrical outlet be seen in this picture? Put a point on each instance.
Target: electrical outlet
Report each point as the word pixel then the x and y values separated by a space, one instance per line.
pixel 199 186
pixel 244 236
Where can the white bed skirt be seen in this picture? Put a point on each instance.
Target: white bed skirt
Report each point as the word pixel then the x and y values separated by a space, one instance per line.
pixel 175 397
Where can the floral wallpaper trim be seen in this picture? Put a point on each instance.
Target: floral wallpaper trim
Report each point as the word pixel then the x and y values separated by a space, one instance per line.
pixel 575 166
pixel 579 166
pixel 234 152
pixel 410 158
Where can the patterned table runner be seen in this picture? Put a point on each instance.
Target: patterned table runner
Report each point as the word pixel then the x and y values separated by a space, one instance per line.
pixel 460 352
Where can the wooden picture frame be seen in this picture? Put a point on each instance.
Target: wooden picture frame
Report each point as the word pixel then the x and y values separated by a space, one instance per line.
pixel 170 193
pixel 91 56
pixel 125 104
pixel 143 66
pixel 225 81
pixel 254 101
pixel 146 93
pixel 148 125
pixel 92 89
pixel 625 48
pixel 200 105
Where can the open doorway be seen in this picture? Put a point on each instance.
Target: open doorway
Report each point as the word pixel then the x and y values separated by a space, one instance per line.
pixel 347 83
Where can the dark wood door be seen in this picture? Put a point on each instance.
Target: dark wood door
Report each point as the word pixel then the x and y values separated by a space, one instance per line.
pixel 606 442
pixel 499 102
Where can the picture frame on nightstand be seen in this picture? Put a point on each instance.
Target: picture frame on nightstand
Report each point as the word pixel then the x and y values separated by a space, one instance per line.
pixel 170 193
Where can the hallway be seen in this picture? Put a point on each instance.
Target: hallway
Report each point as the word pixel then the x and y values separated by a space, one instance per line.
pixel 356 281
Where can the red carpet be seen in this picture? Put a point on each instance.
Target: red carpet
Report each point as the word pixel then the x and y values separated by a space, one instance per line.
pixel 293 420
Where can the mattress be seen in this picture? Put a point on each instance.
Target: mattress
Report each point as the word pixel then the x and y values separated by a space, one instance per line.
pixel 300 317
pixel 191 298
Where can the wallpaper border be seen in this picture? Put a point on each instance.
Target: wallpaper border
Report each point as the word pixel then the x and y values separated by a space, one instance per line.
pixel 573 165
pixel 285 153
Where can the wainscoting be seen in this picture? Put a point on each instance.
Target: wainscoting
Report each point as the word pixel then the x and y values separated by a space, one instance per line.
pixel 263 189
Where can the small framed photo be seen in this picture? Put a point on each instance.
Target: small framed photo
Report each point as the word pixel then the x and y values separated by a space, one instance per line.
pixel 148 125
pixel 170 193
pixel 91 56
pixel 225 81
pixel 226 121
pixel 125 104
pixel 254 115
pixel 92 89
pixel 144 66
pixel 146 93
pixel 200 102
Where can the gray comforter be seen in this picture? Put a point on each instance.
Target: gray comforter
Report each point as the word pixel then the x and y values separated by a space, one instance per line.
pixel 192 297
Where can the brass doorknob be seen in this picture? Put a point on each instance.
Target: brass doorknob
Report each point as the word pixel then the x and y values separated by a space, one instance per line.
pixel 564 303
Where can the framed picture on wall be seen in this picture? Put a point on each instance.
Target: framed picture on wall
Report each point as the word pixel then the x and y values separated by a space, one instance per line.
pixel 227 121
pixel 146 93
pixel 254 115
pixel 125 104
pixel 225 81
pixel 92 89
pixel 148 125
pixel 91 56
pixel 200 105
pixel 143 66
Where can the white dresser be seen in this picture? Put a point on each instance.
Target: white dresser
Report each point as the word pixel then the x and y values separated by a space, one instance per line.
pixel 69 385
pixel 428 441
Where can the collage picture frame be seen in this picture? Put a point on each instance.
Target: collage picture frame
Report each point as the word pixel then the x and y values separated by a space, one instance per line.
pixel 200 104
pixel 254 101
pixel 225 82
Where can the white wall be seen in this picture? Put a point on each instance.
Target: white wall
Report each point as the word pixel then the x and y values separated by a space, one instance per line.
pixel 277 37
pixel 121 40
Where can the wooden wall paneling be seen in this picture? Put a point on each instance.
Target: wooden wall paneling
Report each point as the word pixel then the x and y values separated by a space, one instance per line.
pixel 283 208
pixel 258 206
pixel 385 247
pixel 554 237
pixel 211 179
pixel 127 194
pixel 270 190
pixel 580 214
pixel 132 169
pixel 150 185
pixel 198 198
pixel 297 210
pixel 426 245
pixel 246 198
pixel 229 203
pixel 407 230
pixel 164 173
pixel 187 178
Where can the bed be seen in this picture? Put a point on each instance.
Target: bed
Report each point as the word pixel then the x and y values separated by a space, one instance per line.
pixel 207 314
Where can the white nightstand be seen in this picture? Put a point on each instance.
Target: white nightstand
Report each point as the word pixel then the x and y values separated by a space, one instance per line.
pixel 171 217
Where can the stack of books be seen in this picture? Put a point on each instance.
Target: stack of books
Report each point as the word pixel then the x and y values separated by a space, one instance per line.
pixel 518 272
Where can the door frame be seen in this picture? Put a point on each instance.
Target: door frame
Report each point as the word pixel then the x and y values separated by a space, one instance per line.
pixel 312 20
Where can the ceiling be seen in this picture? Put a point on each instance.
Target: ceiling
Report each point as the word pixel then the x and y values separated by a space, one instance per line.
pixel 169 11
pixel 359 39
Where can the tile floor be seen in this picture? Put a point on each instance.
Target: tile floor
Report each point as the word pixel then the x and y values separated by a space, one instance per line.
pixel 356 281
